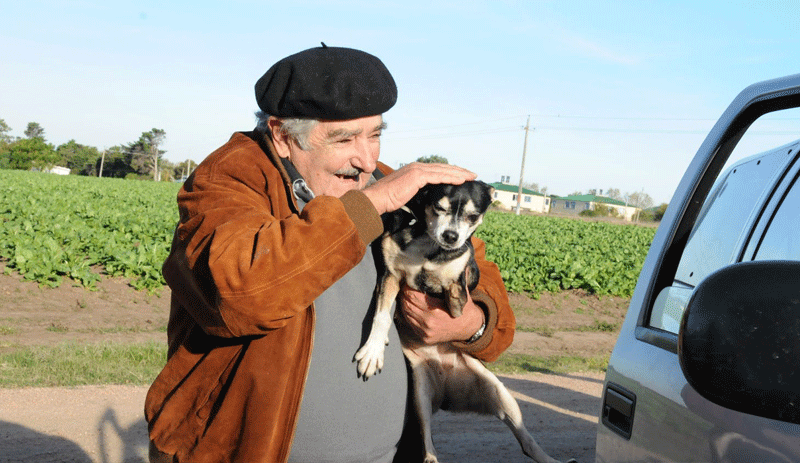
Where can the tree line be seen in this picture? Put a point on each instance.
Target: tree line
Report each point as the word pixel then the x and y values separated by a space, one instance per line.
pixel 140 159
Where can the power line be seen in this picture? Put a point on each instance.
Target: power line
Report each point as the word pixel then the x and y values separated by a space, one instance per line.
pixel 584 129
pixel 459 134
pixel 453 126
pixel 503 129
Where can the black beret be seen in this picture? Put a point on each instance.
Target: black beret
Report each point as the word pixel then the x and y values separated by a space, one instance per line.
pixel 327 83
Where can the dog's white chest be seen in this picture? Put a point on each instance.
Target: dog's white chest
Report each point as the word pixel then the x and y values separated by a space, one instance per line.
pixel 410 262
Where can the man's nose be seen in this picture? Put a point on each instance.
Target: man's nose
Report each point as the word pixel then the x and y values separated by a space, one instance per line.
pixel 366 156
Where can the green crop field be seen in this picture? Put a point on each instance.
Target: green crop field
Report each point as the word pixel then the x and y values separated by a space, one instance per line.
pixel 54 227
pixel 539 253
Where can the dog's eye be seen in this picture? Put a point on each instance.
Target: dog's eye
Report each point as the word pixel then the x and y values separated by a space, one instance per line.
pixel 473 218
pixel 439 209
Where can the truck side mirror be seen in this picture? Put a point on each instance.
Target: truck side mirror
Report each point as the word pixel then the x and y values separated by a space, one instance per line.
pixel 739 340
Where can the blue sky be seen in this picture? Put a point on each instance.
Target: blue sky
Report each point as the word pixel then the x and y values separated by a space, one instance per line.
pixel 620 94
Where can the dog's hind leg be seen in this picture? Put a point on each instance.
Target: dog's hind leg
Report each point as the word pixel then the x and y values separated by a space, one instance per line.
pixel 498 401
pixel 427 383
pixel 370 355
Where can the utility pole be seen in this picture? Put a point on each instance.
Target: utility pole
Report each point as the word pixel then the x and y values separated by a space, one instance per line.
pixel 102 161
pixel 156 173
pixel 522 167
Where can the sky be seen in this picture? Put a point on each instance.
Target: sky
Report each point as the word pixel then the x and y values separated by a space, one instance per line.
pixel 619 94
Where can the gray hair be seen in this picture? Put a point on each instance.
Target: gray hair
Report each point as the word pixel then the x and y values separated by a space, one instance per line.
pixel 298 129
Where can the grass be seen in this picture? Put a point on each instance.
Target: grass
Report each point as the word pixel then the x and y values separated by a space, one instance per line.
pixel 124 329
pixel 545 331
pixel 5 329
pixel 548 331
pixel 558 364
pixel 73 364
pixel 601 326
pixel 57 328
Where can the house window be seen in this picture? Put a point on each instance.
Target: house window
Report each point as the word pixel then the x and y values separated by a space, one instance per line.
pixel 495 195
pixel 527 199
pixel 513 197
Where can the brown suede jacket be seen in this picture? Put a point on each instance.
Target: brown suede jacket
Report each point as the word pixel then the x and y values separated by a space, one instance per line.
pixel 244 269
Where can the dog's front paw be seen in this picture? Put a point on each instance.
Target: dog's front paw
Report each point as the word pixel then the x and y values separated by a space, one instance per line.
pixel 431 458
pixel 370 359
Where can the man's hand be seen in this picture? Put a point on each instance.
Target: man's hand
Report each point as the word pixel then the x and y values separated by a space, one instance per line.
pixel 429 318
pixel 396 189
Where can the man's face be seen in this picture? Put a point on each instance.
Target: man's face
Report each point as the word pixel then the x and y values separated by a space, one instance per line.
pixel 341 157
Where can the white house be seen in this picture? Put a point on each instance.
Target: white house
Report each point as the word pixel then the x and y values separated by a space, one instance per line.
pixel 530 201
pixel 58 170
pixel 574 205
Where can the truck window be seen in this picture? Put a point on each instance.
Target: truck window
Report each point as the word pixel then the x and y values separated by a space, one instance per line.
pixel 721 228
pixel 782 238
pixel 714 241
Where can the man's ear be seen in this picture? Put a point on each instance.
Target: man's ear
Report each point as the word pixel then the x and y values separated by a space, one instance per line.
pixel 279 139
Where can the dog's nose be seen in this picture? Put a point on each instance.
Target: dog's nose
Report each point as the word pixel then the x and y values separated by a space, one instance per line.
pixel 450 237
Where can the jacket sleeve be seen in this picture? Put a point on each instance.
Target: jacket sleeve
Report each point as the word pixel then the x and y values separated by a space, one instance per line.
pixel 491 296
pixel 242 269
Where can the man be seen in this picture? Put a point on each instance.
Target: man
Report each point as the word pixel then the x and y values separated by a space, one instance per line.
pixel 272 276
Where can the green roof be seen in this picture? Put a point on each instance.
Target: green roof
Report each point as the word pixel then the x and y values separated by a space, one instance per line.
pixel 513 189
pixel 592 199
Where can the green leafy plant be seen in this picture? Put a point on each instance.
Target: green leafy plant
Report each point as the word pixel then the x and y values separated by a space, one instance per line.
pixel 54 227
pixel 536 253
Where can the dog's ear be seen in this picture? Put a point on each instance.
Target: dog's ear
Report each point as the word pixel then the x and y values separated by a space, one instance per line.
pixel 486 194
pixel 394 221
pixel 421 198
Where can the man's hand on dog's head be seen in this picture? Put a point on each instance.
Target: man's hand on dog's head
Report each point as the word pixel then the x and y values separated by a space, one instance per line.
pixel 430 320
pixel 396 189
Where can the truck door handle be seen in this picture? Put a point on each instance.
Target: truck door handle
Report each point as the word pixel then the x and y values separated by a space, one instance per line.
pixel 619 405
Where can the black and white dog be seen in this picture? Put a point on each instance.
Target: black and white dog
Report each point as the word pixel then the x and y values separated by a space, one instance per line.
pixel 427 245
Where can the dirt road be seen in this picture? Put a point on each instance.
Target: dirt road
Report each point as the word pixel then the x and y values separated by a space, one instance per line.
pixel 104 424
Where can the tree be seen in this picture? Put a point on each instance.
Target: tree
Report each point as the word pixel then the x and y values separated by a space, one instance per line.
pixel 5 137
pixel 535 187
pixel 658 213
pixel 166 171
pixel 34 130
pixel 29 153
pixel 433 158
pixel 600 210
pixel 183 169
pixel 79 158
pixel 614 193
pixel 639 199
pixel 145 155
pixel 116 163
pixel 5 141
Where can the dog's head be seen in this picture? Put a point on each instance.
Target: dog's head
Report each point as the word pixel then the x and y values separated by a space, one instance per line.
pixel 452 212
